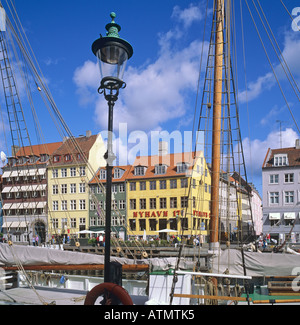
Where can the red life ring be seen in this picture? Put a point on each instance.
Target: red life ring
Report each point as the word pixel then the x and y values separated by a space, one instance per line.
pixel 113 289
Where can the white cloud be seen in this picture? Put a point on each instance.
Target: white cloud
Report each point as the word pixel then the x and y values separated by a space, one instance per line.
pixel 187 16
pixel 256 150
pixel 156 92
pixel 290 54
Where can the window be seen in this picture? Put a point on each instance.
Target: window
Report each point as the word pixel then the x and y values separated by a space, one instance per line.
pixel 173 202
pixel 163 203
pixel 280 160
pixel 114 189
pixel 194 183
pixel 73 223
pixel 152 185
pixel 64 189
pixel 142 186
pixel 55 223
pixel 55 173
pixel 73 205
pixel 289 197
pixel 68 157
pixel 163 184
pixel 182 168
pixel 81 204
pixel 102 205
pixel 55 205
pixel 173 183
pixel 274 197
pixel 122 205
pixel 92 205
pixel 142 224
pixel 289 178
pixel 118 173
pixel 64 172
pixel 184 202
pixel 132 203
pixel 82 171
pixel 142 204
pixel 132 186
pixel 132 224
pixel 102 174
pixel 54 189
pixel 153 203
pixel 114 204
pixel 56 159
pixel 72 188
pixel 152 224
pixel 122 188
pixel 73 172
pixel 184 183
pixel 160 169
pixel 140 171
pixel 274 179
pixel 82 188
pixel 64 205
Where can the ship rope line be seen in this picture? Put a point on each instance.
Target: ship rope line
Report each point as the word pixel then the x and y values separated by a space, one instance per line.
pixel 46 91
pixel 70 135
pixel 226 128
pixel 272 68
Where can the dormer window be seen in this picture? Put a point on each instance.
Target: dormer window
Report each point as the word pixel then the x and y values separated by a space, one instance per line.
pixel 68 157
pixel 281 160
pixel 160 169
pixel 118 173
pixel 21 160
pixel 56 159
pixel 182 167
pixel 102 174
pixel 140 170
pixel 44 158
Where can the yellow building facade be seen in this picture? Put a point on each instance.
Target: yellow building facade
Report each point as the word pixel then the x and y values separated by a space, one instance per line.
pixel 169 192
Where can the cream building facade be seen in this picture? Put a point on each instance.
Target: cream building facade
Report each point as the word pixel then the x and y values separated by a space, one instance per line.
pixel 73 165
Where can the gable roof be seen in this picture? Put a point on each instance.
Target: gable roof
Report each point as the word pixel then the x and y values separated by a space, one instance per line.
pixel 292 153
pixel 39 149
pixel 71 146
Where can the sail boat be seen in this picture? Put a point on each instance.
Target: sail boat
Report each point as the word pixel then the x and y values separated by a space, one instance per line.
pixel 241 263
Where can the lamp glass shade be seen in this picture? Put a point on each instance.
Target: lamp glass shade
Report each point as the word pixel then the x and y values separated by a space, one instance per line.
pixel 112 61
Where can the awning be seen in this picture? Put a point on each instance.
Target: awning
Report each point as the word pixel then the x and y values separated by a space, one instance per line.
pixel 23 224
pixel 289 215
pixel 6 224
pixel 15 224
pixel 41 205
pixel 7 190
pixel 274 216
pixel 6 174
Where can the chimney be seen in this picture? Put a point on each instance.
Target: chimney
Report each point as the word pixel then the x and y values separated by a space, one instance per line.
pixel 297 143
pixel 163 148
pixel 88 134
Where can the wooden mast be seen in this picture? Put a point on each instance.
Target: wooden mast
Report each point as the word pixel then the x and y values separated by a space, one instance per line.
pixel 217 115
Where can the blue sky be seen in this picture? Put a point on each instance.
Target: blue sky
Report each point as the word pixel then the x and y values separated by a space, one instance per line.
pixel 162 75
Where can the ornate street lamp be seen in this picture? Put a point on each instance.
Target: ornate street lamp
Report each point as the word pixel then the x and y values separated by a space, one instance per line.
pixel 113 53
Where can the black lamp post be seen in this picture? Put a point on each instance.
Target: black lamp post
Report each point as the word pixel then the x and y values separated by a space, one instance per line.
pixel 112 53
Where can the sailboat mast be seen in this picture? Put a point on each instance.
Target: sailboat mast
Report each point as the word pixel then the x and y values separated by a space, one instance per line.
pixel 217 115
